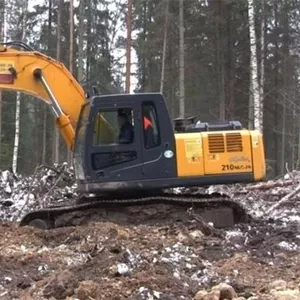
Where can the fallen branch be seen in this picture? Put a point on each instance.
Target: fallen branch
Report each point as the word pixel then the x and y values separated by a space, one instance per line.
pixel 49 168
pixel 53 186
pixel 27 195
pixel 270 185
pixel 284 199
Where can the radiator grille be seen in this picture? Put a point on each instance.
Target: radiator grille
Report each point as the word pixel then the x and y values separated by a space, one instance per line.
pixel 234 142
pixel 216 143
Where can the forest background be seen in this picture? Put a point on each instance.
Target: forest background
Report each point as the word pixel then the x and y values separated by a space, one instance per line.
pixel 213 59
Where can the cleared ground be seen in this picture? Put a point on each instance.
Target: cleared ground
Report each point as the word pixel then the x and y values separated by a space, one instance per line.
pixel 152 252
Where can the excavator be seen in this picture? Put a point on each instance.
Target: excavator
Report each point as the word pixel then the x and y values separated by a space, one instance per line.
pixel 158 155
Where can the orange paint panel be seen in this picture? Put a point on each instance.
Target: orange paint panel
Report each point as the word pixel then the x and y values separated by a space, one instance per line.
pixel 222 152
pixel 258 156
pixel 227 152
pixel 189 154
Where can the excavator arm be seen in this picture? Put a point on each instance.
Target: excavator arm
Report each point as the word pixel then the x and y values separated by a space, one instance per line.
pixel 39 75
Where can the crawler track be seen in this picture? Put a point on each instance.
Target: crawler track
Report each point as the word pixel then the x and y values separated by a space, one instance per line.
pixel 220 210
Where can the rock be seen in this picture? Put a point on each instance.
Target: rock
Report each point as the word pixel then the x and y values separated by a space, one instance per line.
pixel 235 237
pixel 248 295
pixel 281 256
pixel 213 295
pixel 86 290
pixel 226 291
pixel 122 269
pixel 239 298
pixel 196 234
pixel 286 295
pixel 119 269
pixel 200 295
pixel 278 285
pixel 253 298
pixel 182 238
pixel 204 295
pixel 123 234
pixel 113 270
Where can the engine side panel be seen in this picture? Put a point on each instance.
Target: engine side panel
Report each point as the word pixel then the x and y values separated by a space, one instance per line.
pixel 222 152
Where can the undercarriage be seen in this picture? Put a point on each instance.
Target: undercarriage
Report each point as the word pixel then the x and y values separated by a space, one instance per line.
pixel 215 208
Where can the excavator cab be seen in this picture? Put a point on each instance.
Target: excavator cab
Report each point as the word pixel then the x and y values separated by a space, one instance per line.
pixel 122 142
pixel 126 143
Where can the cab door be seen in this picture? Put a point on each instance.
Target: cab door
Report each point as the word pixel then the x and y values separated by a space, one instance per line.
pixel 109 159
pixel 158 148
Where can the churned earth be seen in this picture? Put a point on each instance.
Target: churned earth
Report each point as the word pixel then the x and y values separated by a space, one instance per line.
pixel 152 258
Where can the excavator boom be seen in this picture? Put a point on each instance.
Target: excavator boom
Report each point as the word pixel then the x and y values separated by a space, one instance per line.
pixel 39 75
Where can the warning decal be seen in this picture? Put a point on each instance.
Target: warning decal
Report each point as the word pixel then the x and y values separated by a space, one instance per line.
pixel 193 151
pixel 5 75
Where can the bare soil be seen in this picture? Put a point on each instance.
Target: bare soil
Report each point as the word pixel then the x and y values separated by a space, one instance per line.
pixel 155 258
pixel 153 252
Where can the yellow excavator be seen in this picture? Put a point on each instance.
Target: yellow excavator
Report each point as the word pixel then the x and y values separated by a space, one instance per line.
pixel 127 150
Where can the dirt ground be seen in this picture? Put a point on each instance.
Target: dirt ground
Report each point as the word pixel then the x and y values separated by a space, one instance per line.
pixel 158 260
pixel 152 252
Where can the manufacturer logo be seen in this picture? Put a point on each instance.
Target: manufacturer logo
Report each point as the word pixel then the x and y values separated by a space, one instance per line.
pixel 168 154
pixel 239 159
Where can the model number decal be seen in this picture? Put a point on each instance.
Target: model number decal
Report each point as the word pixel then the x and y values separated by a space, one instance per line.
pixel 232 167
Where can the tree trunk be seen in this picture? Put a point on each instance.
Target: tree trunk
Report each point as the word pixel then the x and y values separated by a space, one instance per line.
pixel 2 21
pixel 2 15
pixel 71 57
pixel 71 36
pixel 128 45
pixel 230 108
pixel 149 13
pixel 251 104
pixel 144 68
pixel 219 56
pixel 262 61
pixel 220 60
pixel 277 106
pixel 163 63
pixel 45 110
pixel 285 85
pixel 59 23
pixel 80 40
pixel 17 124
pixel 181 61
pixel 88 43
pixel 253 67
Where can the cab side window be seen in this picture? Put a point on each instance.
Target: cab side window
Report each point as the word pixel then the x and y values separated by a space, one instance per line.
pixel 150 126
